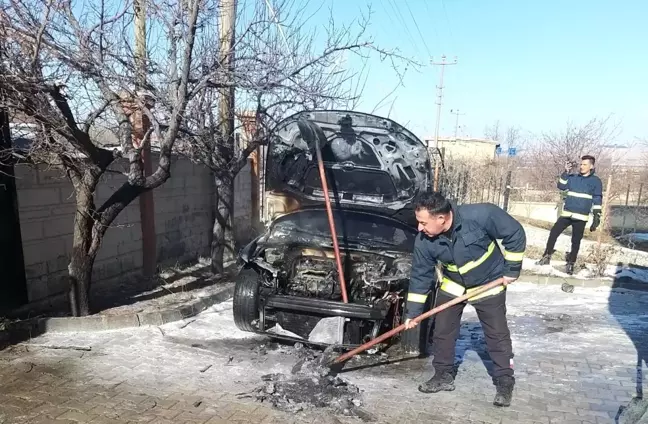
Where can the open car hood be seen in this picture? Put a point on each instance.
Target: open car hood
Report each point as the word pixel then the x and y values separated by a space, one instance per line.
pixel 371 162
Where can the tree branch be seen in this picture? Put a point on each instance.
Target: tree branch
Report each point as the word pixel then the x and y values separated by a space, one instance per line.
pixel 164 168
pixel 90 120
pixel 39 35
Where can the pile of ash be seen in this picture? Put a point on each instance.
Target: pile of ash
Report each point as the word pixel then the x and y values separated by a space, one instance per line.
pixel 312 384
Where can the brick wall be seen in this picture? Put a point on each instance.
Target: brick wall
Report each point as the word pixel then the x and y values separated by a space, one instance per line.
pixel 182 220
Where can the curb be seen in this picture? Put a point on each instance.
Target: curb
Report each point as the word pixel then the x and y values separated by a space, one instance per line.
pixel 36 326
pixel 624 283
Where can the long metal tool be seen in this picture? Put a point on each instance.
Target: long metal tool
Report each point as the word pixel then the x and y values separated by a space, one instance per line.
pixel 329 211
pixel 428 314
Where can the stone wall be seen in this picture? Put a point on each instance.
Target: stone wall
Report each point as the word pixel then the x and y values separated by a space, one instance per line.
pixel 182 220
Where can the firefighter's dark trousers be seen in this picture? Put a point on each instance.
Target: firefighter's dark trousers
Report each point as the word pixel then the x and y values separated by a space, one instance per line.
pixel 578 229
pixel 492 315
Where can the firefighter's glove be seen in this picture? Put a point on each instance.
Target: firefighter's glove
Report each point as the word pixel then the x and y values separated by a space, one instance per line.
pixel 596 222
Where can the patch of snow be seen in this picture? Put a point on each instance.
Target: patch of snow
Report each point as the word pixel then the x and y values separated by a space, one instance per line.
pixel 611 271
pixel 214 323
pixel 538 237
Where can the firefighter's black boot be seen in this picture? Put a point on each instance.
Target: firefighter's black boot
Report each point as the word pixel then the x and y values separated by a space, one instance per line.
pixel 569 268
pixel 546 260
pixel 443 381
pixel 504 386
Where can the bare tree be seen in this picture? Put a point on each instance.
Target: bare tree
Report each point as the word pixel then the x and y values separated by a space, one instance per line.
pixel 493 131
pixel 575 141
pixel 279 66
pixel 555 148
pixel 67 67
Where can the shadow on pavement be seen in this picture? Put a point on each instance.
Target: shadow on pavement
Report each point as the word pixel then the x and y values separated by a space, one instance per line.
pixel 127 293
pixel 636 328
pixel 17 327
pixel 471 337
pixel 17 336
pixel 363 363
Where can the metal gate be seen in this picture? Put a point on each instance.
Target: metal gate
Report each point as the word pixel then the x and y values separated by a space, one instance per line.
pixel 13 286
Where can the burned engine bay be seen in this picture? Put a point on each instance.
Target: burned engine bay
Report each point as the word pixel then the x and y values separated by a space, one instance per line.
pixel 303 288
pixel 308 272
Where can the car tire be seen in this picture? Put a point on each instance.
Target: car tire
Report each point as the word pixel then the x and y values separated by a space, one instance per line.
pixel 246 300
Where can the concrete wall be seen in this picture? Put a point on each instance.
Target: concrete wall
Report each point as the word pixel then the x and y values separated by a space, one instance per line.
pixel 545 211
pixel 182 220
pixel 542 211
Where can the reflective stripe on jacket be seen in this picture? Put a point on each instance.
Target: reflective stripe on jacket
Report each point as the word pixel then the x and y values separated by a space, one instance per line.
pixel 469 255
pixel 584 195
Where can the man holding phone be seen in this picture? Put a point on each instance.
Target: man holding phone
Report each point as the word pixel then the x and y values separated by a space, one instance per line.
pixel 584 195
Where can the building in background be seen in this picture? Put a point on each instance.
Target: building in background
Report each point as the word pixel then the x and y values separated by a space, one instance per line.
pixel 630 157
pixel 466 148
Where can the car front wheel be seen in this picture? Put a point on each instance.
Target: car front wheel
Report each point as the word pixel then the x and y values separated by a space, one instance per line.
pixel 246 300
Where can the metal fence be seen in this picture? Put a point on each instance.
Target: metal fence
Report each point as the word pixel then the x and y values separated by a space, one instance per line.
pixel 531 192
pixel 464 182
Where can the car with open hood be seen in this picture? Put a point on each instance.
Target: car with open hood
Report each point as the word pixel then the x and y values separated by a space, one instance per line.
pixel 288 286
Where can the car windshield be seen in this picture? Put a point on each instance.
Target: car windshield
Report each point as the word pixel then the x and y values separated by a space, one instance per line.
pixel 353 228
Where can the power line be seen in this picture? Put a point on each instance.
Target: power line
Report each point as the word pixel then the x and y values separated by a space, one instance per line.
pixel 457 114
pixel 436 33
pixel 445 12
pixel 279 28
pixel 418 29
pixel 404 25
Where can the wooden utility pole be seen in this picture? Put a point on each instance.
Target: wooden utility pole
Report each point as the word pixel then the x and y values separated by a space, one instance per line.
pixel 226 59
pixel 140 43
pixel 221 250
pixel 457 114
pixel 141 125
pixel 443 64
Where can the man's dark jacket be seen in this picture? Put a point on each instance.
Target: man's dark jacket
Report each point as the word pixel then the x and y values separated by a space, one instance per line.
pixel 584 195
pixel 469 254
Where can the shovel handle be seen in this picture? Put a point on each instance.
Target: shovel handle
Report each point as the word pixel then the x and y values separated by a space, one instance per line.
pixel 394 331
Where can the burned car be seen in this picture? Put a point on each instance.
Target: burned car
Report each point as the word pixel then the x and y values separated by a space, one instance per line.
pixel 289 285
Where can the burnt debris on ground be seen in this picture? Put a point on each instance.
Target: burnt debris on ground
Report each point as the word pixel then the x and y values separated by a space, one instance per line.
pixel 313 383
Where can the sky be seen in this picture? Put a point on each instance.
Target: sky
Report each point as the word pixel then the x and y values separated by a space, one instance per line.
pixel 531 64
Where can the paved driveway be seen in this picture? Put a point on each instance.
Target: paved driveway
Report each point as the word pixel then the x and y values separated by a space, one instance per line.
pixel 576 362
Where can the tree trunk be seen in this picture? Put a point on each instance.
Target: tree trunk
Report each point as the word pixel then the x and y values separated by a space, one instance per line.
pixel 80 274
pixel 222 246
pixel 81 262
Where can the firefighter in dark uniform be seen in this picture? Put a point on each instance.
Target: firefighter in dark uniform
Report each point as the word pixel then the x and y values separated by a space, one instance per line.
pixel 584 194
pixel 463 240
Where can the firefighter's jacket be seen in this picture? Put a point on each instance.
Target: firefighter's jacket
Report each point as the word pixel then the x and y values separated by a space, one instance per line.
pixel 584 194
pixel 469 255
